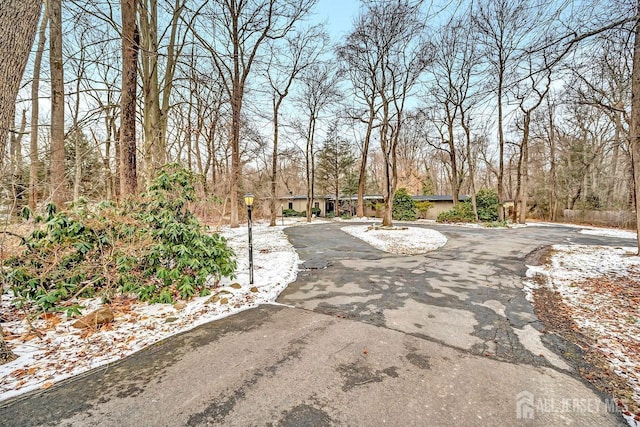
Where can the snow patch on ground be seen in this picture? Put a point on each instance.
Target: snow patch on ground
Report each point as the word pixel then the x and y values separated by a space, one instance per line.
pixel 409 241
pixel 610 232
pixel 64 351
pixel 586 229
pixel 573 263
pixel 599 285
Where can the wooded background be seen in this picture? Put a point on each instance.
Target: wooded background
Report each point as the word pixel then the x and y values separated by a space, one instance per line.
pixel 530 97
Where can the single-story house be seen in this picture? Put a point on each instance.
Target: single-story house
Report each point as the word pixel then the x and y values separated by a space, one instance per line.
pixel 440 204
pixel 299 203
pixel 326 204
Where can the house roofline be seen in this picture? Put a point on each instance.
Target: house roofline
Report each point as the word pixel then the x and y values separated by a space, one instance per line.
pixel 418 198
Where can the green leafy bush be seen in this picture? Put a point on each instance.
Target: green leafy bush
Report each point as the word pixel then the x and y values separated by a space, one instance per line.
pixel 486 203
pixel 404 207
pixel 422 208
pixel 153 247
pixel 293 213
pixel 461 212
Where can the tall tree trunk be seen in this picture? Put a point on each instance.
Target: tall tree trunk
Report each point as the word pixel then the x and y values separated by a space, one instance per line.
pixel 613 179
pixel 362 175
pixel 106 163
pixel 524 169
pixel 635 121
pixel 455 185
pixel 77 135
pixel 553 201
pixel 59 193
pixel 236 106
pixel 274 165
pixel 389 177
pixel 130 45
pixel 237 92
pixel 189 134
pixel 35 111
pixel 501 148
pixel 211 144
pixel 310 166
pixel 467 133
pixel 19 23
pixel 173 52
pixel 151 87
pixel 16 164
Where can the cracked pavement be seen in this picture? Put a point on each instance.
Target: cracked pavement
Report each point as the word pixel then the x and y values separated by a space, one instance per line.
pixel 467 295
pixel 363 338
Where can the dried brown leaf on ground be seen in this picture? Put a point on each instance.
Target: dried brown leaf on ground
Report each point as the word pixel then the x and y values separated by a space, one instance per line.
pixel 609 351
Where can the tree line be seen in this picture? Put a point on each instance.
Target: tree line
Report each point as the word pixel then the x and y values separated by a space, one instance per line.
pixel 532 98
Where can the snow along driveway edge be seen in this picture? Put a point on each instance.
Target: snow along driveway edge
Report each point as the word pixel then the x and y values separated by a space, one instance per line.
pixel 405 241
pixel 64 351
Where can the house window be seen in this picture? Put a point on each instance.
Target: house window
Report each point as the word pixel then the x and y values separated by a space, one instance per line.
pixel 316 205
pixel 290 205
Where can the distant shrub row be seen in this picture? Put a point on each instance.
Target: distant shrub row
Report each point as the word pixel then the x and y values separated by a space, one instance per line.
pixel 294 213
pixel 486 202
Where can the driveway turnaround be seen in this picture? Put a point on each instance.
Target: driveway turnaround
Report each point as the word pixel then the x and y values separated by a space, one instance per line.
pixel 361 338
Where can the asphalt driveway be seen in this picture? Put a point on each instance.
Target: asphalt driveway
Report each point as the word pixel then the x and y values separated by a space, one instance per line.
pixel 361 338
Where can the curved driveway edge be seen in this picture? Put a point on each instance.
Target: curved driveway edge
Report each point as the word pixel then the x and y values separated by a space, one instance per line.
pixel 375 339
pixel 467 295
pixel 283 366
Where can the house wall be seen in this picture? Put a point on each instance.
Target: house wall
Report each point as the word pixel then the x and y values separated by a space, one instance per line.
pixel 300 205
pixel 438 207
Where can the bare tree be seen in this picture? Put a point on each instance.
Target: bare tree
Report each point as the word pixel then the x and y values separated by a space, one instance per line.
pixel 35 109
pixel 300 50
pixel 241 28
pixel 388 40
pixel 19 23
pixel 59 194
pixel 455 61
pixel 529 99
pixel 635 118
pixel 604 84
pixel 158 76
pixel 361 65
pixel 467 98
pixel 506 28
pixel 130 47
pixel 318 91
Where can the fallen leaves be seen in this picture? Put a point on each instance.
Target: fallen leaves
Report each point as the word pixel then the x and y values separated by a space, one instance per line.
pixel 590 297
pixel 64 352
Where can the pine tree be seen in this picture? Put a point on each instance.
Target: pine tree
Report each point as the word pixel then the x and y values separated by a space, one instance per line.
pixel 335 163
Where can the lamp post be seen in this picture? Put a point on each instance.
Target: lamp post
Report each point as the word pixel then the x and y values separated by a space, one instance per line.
pixel 248 200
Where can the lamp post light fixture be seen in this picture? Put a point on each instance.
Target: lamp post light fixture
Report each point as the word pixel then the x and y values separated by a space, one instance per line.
pixel 248 200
